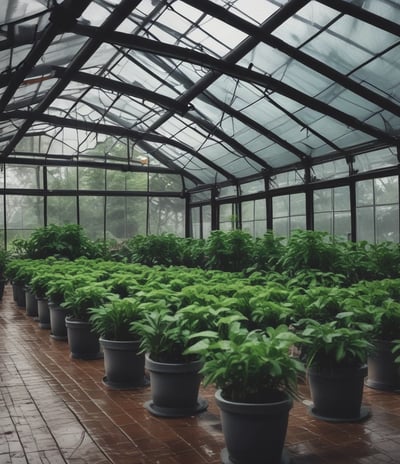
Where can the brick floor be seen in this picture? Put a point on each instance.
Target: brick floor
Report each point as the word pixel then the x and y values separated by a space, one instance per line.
pixel 57 410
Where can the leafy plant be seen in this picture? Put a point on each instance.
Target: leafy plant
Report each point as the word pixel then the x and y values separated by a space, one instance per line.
pixel 383 319
pixel 78 301
pixel 307 249
pixel 321 304
pixel 166 335
pixel 326 346
pixel 112 320
pixel 250 366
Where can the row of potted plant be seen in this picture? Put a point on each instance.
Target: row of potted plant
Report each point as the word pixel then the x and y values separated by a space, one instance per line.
pixel 233 251
pixel 229 325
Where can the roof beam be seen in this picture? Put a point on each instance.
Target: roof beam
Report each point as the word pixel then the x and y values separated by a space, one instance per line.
pixel 318 66
pixel 62 17
pixel 364 15
pixel 120 12
pixel 219 67
pixel 123 88
pixel 31 116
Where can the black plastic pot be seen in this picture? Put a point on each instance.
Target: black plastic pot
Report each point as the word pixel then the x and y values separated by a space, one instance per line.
pixel 57 321
pixel 124 367
pixel 83 343
pixel 383 372
pixel 254 432
pixel 174 389
pixel 43 313
pixel 337 393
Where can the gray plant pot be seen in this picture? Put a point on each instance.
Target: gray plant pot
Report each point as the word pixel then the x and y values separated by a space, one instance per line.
pixel 254 432
pixel 57 321
pixel 124 367
pixel 19 294
pixel 31 306
pixel 337 394
pixel 383 372
pixel 43 313
pixel 174 389
pixel 83 343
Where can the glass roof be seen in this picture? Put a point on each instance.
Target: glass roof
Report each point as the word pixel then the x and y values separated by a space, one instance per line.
pixel 221 91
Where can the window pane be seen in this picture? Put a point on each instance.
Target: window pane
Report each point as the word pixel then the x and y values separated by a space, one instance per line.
pixel 365 224
pixel 125 217
pixel 281 227
pixel 247 210
pixel 206 220
pixel 342 225
pixel 323 200
pixel 61 178
pixel 166 215
pixel 386 190
pixel 260 209
pixel 297 204
pixel 364 193
pixel 27 177
pixel 341 198
pixel 387 223
pixel 61 210
pixel 91 213
pixel 323 222
pixel 280 206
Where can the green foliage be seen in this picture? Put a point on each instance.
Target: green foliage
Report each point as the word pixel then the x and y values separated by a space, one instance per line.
pixel 161 249
pixel 250 366
pixel 78 301
pixel 229 251
pixel 384 319
pixel 112 320
pixel 268 251
pixel 166 335
pixel 327 346
pixel 322 304
pixel 66 241
pixel 307 249
pixel 5 258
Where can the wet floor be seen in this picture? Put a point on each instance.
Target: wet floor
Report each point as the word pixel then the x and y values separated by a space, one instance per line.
pixel 55 410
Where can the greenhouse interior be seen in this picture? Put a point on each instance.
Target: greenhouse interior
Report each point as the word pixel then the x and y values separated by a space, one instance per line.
pixel 199 232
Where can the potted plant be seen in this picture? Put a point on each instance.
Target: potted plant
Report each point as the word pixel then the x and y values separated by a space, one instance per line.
pixel 4 260
pixel 384 318
pixel 59 285
pixel 83 343
pixel 256 380
pixel 123 364
pixel 336 367
pixel 39 286
pixel 174 374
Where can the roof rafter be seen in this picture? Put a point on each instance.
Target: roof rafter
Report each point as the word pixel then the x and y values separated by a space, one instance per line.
pixel 31 116
pixel 314 64
pixel 120 12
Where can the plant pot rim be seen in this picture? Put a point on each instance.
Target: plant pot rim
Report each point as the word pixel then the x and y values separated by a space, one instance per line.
pixel 360 370
pixel 253 408
pixel 158 366
pixel 70 320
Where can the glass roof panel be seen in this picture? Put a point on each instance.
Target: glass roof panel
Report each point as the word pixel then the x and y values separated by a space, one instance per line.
pixel 224 113
pixel 256 11
pixel 305 23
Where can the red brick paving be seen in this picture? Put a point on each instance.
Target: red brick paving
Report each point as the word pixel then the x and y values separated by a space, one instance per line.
pixel 56 410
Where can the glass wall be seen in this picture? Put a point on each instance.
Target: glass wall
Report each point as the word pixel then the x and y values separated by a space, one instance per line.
pixel 111 204
pixel 332 211
pixel 254 217
pixel 377 207
pixel 288 213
